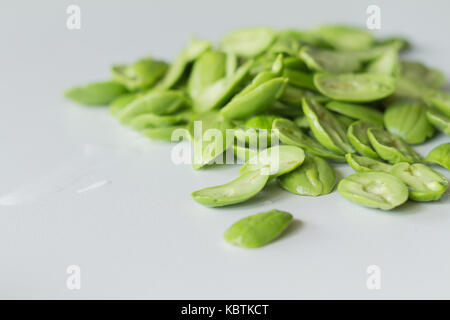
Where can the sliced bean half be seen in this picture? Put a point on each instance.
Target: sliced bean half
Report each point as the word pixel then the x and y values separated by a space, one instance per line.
pixel 424 183
pixel 314 177
pixel 363 164
pixel 374 189
pixel 290 134
pixel 392 148
pixel 440 155
pixel 362 87
pixel 327 129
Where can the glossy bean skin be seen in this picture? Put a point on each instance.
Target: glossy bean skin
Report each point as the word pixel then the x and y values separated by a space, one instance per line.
pixel 258 230
pixel 358 137
pixel 315 177
pixel 439 121
pixel 328 130
pixel 290 134
pixel 275 161
pixel 96 94
pixel 159 103
pixel 392 148
pixel 365 164
pixel 440 155
pixel 424 183
pixel 356 111
pixel 408 121
pixel 140 75
pixel 239 190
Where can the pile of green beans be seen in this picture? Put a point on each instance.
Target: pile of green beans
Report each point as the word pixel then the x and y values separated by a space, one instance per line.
pixel 320 96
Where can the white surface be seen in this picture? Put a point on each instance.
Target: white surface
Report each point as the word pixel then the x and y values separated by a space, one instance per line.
pixel 134 231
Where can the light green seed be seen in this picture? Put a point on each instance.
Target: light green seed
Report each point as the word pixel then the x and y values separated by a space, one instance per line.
pixel 364 164
pixel 358 137
pixel 392 148
pixel 275 161
pixel 327 129
pixel 440 155
pixel 248 42
pixel 344 37
pixel 329 61
pixel 356 111
pixel 374 189
pixel 141 74
pixel 290 134
pixel 239 190
pixel 258 230
pixel 362 87
pixel 156 102
pixel 439 121
pixel 314 177
pixel 98 93
pixel 424 183
pixel 408 121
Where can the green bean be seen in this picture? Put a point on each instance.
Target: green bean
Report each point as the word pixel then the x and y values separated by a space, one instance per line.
pixel 258 230
pixel 98 93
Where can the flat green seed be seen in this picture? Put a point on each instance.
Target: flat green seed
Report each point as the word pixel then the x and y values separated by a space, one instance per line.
pixel 141 74
pixel 392 148
pixel 156 102
pixel 261 133
pixel 362 164
pixel 98 93
pixel 345 37
pixel 239 190
pixel 356 111
pixel 388 64
pixel 329 61
pixel 211 139
pixel 327 129
pixel 362 87
pixel 248 42
pixel 258 230
pixel 207 69
pixel 420 73
pixel 300 79
pixel 255 101
pixel 439 121
pixel 374 189
pixel 408 121
pixel 424 183
pixel 440 155
pixel 216 94
pixel 116 106
pixel 441 100
pixel 290 134
pixel 275 161
pixel 315 177
pixel 358 137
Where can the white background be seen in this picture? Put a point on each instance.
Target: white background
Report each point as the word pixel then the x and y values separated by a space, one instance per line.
pixel 141 235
